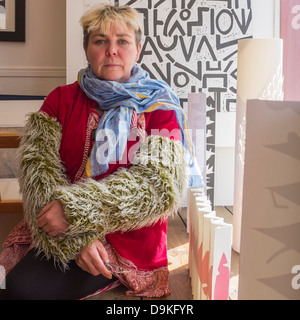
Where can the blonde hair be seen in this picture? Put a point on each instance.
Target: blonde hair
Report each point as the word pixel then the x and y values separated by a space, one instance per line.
pixel 100 17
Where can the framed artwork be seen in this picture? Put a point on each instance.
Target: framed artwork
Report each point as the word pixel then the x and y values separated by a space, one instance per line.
pixel 12 20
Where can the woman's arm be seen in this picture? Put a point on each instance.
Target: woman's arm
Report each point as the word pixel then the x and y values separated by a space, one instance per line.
pixel 40 168
pixel 131 198
pixel 40 173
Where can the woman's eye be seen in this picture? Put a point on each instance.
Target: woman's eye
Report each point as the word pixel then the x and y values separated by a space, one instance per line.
pixel 99 41
pixel 123 41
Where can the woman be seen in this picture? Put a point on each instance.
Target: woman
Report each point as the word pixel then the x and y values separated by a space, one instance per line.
pixel 102 166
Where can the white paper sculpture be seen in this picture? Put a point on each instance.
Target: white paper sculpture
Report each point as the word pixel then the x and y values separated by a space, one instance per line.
pixel 259 77
pixel 209 249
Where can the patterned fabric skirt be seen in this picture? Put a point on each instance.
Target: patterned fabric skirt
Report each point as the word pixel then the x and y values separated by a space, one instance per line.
pixel 147 283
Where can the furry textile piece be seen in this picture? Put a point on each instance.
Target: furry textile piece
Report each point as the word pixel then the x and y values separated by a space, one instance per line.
pixel 40 173
pixel 129 199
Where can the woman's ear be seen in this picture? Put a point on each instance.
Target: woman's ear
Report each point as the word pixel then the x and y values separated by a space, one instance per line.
pixel 138 51
pixel 85 50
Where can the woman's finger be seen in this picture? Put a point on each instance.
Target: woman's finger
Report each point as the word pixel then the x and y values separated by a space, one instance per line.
pixel 104 258
pixel 52 216
pixel 87 267
pixel 90 260
pixel 45 209
pixel 101 268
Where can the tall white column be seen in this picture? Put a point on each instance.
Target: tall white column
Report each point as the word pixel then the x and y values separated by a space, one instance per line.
pixel 259 77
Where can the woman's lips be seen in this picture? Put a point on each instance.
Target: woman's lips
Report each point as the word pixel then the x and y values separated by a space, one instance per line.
pixel 111 65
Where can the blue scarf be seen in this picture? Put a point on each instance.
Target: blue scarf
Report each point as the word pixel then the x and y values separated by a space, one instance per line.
pixel 118 101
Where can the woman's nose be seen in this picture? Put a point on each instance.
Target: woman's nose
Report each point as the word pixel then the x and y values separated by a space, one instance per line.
pixel 111 51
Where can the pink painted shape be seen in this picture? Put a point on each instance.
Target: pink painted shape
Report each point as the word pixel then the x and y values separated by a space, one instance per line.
pixel 221 290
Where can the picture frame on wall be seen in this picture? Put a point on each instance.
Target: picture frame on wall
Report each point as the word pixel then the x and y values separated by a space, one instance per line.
pixel 12 20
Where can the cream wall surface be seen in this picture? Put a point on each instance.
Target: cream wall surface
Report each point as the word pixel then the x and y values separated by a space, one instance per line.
pixel 38 65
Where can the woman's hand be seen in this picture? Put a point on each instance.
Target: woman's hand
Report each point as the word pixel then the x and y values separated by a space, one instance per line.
pixel 52 219
pixel 91 259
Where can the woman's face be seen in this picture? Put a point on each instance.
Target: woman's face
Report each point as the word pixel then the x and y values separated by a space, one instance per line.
pixel 113 55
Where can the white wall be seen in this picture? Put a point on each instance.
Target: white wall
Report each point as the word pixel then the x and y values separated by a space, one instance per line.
pixel 75 62
pixel 38 65
pixel 266 17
